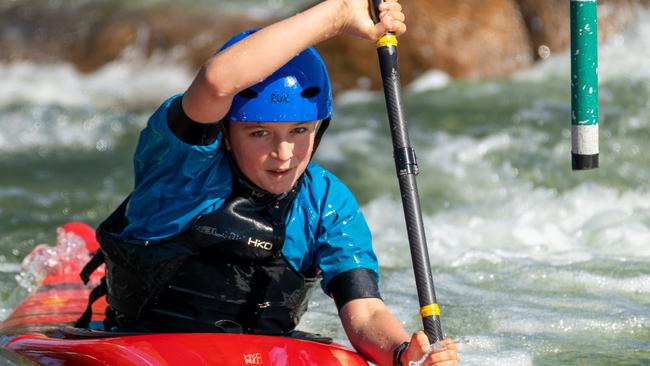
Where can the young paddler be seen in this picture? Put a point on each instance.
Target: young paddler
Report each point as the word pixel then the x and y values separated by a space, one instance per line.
pixel 230 224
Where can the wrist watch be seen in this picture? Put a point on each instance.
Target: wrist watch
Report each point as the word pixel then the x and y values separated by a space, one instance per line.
pixel 397 353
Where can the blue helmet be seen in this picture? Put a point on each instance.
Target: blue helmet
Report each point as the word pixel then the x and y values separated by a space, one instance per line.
pixel 299 91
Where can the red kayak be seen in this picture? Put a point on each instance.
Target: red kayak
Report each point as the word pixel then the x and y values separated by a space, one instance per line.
pixel 40 328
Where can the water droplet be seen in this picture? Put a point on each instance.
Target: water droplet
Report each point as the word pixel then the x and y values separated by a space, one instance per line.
pixel 544 51
pixel 101 145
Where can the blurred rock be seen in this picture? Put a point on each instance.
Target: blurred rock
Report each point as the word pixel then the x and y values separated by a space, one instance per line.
pixel 467 39
pixel 549 25
pixel 157 33
pixel 98 32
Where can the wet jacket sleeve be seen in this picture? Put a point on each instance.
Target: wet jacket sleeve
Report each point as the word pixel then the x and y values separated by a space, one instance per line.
pixel 344 248
pixel 174 180
pixel 187 130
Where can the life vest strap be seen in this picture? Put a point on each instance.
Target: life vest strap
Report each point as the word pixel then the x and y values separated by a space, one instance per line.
pixel 92 265
pixel 99 291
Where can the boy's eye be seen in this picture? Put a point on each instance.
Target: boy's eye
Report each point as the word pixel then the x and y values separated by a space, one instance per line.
pixel 300 130
pixel 259 133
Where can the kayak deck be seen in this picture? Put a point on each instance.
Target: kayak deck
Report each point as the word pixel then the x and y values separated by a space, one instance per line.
pixel 181 349
pixel 40 330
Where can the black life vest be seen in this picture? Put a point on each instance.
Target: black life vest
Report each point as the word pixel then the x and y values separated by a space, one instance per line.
pixel 224 273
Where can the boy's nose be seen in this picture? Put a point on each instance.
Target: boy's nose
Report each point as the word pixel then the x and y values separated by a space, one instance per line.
pixel 283 150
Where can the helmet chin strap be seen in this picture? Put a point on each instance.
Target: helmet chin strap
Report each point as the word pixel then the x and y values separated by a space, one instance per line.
pixel 322 127
pixel 245 187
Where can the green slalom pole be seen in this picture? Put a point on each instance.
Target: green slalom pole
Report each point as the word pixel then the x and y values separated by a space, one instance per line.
pixel 584 84
pixel 407 169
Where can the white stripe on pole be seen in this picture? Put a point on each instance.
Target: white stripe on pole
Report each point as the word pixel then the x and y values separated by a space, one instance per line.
pixel 584 139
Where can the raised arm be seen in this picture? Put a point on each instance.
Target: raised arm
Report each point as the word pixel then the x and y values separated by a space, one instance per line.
pixel 210 95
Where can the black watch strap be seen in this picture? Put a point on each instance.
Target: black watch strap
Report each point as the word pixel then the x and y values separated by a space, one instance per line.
pixel 397 353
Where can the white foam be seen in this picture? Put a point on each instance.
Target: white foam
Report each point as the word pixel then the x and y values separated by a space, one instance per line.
pixel 26 82
pixel 4 313
pixel 68 255
pixel 41 128
pixel 525 223
pixel 483 350
pixel 430 80
pixel 335 147
pixel 356 96
pixel 582 321
pixel 124 83
pixel 501 358
pixel 58 106
pixel 598 283
pixel 9 267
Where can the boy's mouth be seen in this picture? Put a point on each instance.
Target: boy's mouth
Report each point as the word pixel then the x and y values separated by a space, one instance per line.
pixel 278 172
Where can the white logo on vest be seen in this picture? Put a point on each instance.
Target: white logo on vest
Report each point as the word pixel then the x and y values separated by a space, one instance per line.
pixel 256 243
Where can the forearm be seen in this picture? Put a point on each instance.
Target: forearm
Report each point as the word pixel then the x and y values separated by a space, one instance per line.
pixel 372 329
pixel 253 59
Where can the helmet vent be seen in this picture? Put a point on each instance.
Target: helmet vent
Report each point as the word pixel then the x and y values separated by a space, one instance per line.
pixel 310 92
pixel 248 94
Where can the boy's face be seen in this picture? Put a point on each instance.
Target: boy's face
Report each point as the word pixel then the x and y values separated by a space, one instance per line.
pixel 272 155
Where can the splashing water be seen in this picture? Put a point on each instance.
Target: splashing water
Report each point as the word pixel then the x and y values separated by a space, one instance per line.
pixel 436 346
pixel 68 255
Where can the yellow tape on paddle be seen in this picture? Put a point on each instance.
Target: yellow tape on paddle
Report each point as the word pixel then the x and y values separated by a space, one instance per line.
pixel 428 310
pixel 387 39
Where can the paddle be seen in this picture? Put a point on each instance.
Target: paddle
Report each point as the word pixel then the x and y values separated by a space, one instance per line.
pixel 407 169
